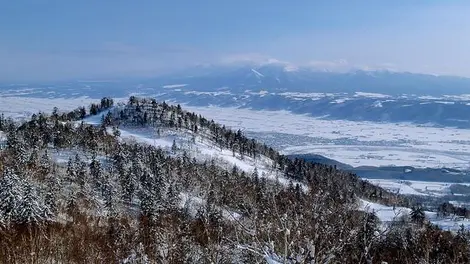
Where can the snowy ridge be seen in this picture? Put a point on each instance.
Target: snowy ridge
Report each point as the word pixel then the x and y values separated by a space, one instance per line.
pixel 200 147
pixel 371 95
pixel 170 86
pixel 258 74
pixel 209 93
pixel 204 150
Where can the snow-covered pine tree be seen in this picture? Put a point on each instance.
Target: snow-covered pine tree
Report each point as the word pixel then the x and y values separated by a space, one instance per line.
pixel 146 195
pixel 172 196
pixel 51 192
pixel 174 148
pixel 33 158
pixel 128 185
pixel 110 199
pixel 11 195
pixel 45 163
pixel 96 174
pixel 31 208
pixel 417 215
pixel 18 148
pixel 71 170
pixel 2 122
pixel 81 173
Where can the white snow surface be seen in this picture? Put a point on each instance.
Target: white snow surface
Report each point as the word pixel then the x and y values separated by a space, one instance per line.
pixel 257 73
pixel 371 95
pixel 199 147
pixel 23 107
pixel 209 93
pixel 170 86
pixel 192 203
pixel 388 214
pixel 425 188
pixel 203 149
pixel 383 212
pixel 350 142
pixel 357 143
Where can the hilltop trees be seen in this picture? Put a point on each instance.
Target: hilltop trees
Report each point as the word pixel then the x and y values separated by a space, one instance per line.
pixel 147 112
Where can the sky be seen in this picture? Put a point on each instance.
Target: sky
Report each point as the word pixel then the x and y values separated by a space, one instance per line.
pixel 58 40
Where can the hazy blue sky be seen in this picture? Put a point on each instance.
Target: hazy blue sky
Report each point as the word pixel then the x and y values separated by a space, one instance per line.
pixel 47 39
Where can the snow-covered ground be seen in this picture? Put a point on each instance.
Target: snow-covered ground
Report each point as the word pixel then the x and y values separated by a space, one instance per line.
pixel 61 156
pixel 355 143
pixel 351 142
pixel 21 107
pixel 415 187
pixel 203 149
pixel 200 148
pixel 171 86
pixel 388 214
pixel 193 203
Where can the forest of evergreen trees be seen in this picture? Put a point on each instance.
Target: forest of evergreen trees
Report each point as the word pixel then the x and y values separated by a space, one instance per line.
pixel 121 201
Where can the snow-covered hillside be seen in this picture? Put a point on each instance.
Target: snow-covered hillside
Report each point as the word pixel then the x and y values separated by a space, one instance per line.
pixel 153 181
pixel 198 146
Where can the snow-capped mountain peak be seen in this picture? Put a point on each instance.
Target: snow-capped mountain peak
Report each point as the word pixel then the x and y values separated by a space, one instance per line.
pixel 258 74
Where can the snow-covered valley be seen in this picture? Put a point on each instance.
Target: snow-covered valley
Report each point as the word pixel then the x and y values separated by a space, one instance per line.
pixel 357 143
pixel 351 142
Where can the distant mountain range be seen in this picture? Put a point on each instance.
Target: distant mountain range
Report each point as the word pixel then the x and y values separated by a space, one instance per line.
pixel 359 95
pixel 275 77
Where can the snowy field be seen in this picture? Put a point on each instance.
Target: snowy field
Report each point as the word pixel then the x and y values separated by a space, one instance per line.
pixel 21 107
pixel 351 142
pixel 388 214
pixel 426 188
